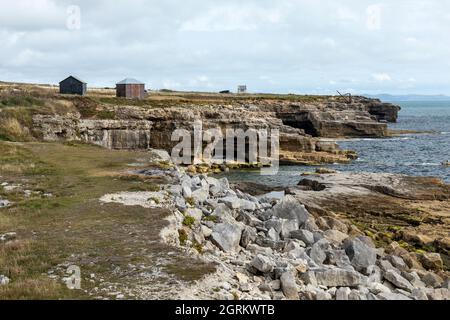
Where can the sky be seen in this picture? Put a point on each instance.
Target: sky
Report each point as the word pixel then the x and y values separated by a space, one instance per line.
pixel 295 46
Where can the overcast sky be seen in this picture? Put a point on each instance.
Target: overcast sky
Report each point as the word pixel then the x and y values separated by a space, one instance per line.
pixel 298 46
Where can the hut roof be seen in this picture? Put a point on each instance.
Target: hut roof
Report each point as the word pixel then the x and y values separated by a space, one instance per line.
pixel 78 79
pixel 130 81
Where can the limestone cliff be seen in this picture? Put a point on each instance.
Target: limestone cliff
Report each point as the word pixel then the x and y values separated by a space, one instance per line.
pixel 301 122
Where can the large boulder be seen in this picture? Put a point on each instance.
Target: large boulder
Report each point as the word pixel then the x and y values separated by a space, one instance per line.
pixel 291 209
pixel 432 280
pixel 335 236
pixel 200 195
pixel 431 261
pixel 338 278
pixel 287 226
pixel 289 286
pixel 195 213
pixel 304 235
pixel 158 155
pixel 237 203
pixel 392 296
pixel 397 280
pixel 263 263
pixel 361 254
pixel 248 236
pixel 318 252
pixel 227 236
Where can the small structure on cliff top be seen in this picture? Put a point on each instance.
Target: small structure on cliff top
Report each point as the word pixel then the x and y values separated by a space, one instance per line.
pixel 131 89
pixel 73 85
pixel 242 89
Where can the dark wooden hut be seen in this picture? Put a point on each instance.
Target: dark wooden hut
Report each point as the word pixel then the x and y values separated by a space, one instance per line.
pixel 73 85
pixel 131 89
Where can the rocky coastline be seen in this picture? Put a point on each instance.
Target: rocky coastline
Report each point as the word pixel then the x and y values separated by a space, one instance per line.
pixel 302 122
pixel 335 236
pixel 279 246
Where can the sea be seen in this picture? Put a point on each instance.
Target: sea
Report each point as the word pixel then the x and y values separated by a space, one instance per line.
pixel 411 154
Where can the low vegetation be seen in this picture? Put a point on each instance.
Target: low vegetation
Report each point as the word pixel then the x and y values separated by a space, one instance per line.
pixel 61 221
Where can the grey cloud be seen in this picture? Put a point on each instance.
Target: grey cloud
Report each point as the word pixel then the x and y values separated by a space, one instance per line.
pixel 280 46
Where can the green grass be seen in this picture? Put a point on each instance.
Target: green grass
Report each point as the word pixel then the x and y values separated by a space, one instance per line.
pixel 20 101
pixel 188 221
pixel 73 226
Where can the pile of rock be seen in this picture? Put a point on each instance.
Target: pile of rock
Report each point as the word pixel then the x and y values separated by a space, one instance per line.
pixel 275 249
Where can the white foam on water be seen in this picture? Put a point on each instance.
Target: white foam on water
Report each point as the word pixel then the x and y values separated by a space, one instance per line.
pixel 429 164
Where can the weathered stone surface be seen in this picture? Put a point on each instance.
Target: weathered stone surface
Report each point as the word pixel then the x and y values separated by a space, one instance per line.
pixel 339 258
pixel 200 195
pixel 287 226
pixel 226 236
pixel 207 232
pixel 377 288
pixel 398 262
pixel 291 209
pixel 432 280
pixel 273 235
pixel 438 294
pixel 338 278
pixel 360 254
pixel 262 263
pixel 392 296
pixel 248 236
pixel 318 251
pixel 195 213
pixel 335 236
pixel 303 235
pixel 309 278
pixel 431 261
pixel 187 191
pixel 289 286
pixel 385 265
pixel 236 203
pixel 419 294
pixel 414 279
pixel 343 293
pixel 397 280
pixel 323 296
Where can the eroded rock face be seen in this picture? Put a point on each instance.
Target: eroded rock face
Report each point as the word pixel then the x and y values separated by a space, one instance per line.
pixel 226 236
pixel 297 122
pixel 338 278
pixel 111 134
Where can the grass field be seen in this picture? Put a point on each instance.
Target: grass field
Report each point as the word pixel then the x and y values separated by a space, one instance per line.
pixel 73 227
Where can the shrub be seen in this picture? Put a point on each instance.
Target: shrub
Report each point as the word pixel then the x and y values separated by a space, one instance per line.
pixel 210 218
pixel 190 201
pixel 188 221
pixel 182 236
pixel 197 246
